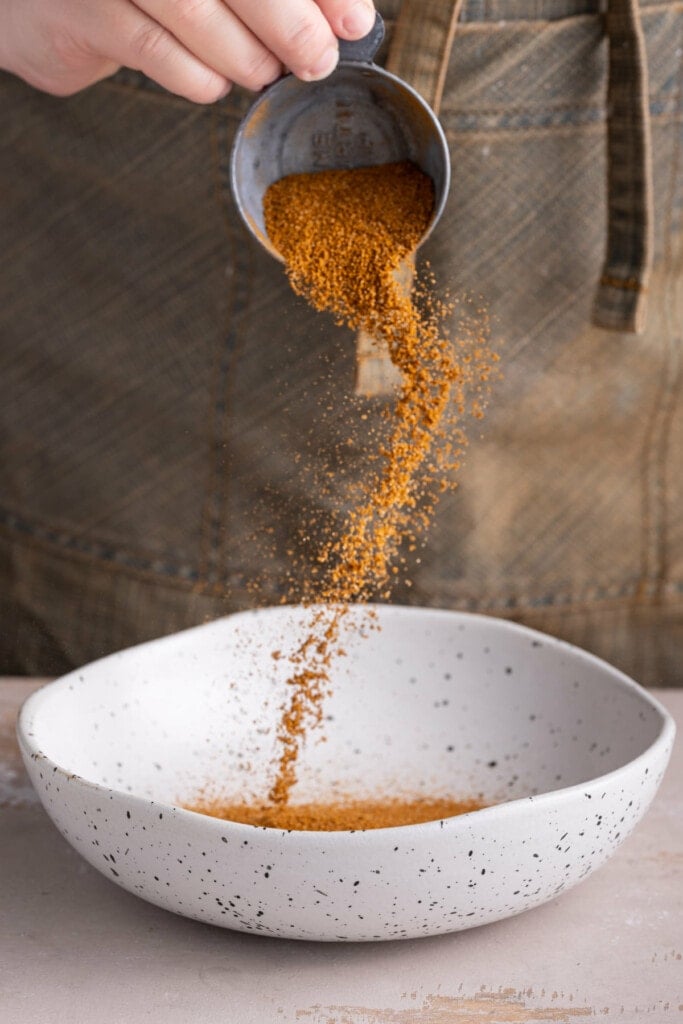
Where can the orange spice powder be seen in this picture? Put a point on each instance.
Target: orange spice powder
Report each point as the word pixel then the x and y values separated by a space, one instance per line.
pixel 343 236
pixel 340 815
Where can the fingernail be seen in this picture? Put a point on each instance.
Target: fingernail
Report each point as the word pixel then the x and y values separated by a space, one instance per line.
pixel 324 66
pixel 359 21
pixel 224 92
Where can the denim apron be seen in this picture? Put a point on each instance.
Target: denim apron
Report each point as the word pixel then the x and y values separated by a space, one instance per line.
pixel 168 408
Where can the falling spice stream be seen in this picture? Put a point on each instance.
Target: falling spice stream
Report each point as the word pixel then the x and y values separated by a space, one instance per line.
pixel 344 236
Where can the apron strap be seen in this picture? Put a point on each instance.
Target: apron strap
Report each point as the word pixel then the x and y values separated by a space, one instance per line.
pixel 421 45
pixel 621 297
pixel 419 53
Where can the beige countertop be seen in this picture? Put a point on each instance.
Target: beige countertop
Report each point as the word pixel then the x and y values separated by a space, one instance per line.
pixel 75 948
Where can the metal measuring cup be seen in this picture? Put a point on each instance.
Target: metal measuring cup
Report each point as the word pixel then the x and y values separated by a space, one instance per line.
pixel 361 115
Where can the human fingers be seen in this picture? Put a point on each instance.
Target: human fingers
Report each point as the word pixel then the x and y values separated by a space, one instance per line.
pixel 37 44
pixel 218 38
pixel 124 33
pixel 296 31
pixel 349 19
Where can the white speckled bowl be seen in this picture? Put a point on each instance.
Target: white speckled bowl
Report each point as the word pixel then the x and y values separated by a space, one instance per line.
pixel 435 702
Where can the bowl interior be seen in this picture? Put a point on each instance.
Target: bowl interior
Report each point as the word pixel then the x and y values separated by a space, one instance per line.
pixel 423 701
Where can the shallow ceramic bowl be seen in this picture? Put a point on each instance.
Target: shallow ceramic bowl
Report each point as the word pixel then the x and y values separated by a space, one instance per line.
pixel 432 702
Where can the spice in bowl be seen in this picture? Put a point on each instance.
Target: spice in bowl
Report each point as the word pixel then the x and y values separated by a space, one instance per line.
pixel 340 815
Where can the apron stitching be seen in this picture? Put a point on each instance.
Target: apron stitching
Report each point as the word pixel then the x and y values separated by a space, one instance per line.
pixel 23 532
pixel 464 125
pixel 604 597
pixel 596 11
pixel 463 134
pixel 655 98
pixel 529 109
pixel 68 538
pixel 63 545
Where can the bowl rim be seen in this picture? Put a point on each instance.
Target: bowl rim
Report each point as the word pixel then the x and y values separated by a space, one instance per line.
pixel 663 740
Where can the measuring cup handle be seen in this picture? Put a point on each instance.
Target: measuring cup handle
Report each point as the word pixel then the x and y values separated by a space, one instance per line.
pixel 363 50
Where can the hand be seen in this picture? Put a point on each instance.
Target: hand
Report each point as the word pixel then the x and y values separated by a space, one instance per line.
pixel 195 48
